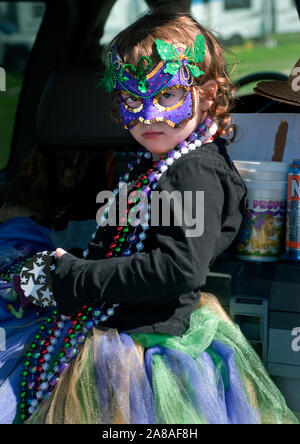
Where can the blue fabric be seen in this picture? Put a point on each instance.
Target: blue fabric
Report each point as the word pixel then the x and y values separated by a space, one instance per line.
pixel 15 333
pixel 15 233
pixel 22 230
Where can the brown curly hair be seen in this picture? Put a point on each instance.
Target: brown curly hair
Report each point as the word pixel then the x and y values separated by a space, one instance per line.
pixel 179 27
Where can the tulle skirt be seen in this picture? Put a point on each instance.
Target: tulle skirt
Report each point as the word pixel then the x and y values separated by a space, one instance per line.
pixel 210 375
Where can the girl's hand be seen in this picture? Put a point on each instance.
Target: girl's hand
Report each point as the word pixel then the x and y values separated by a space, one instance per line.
pixel 60 252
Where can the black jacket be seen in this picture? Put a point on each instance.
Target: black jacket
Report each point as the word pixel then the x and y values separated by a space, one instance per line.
pixel 158 288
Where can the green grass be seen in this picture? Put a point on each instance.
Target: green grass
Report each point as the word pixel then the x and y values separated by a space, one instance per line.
pixel 251 58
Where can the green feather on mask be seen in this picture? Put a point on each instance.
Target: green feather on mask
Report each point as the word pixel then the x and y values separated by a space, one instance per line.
pixel 108 81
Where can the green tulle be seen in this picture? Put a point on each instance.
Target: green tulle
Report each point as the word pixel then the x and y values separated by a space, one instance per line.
pixel 207 325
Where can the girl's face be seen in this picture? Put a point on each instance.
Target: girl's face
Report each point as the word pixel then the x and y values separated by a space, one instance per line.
pixel 159 137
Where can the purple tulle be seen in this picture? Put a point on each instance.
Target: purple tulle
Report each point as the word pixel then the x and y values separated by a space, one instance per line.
pixel 238 408
pixel 112 359
pixel 15 335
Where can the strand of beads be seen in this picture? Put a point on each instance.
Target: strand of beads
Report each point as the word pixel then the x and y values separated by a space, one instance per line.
pixel 35 364
pixel 41 371
pixel 205 131
pixel 123 179
pixel 7 275
pixel 148 182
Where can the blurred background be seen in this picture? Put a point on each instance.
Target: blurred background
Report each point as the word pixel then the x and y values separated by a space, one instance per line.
pixel 260 35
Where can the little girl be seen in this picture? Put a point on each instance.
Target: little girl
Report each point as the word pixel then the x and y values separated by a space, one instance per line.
pixel 132 339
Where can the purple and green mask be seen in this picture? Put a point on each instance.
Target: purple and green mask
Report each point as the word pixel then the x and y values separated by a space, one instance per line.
pixel 160 94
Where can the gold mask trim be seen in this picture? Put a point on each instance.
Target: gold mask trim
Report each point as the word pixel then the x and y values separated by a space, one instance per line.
pixel 177 105
pixel 155 70
pixel 132 110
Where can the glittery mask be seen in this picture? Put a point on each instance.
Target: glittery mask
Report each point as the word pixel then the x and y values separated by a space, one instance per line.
pixel 142 91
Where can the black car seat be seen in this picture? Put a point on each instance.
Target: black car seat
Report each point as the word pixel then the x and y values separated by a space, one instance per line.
pixel 84 150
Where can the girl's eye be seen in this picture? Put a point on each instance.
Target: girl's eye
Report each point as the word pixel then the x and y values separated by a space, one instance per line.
pixel 132 101
pixel 171 97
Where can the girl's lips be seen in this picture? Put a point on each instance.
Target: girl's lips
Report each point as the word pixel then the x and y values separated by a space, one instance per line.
pixel 152 134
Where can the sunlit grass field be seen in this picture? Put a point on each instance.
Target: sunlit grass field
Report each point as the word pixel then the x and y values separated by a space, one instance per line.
pixel 250 58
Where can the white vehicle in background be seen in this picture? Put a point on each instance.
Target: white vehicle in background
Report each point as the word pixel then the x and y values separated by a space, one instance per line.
pixel 19 23
pixel 233 21
pixel 237 20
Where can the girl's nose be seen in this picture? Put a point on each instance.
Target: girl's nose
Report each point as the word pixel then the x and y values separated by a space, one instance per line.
pixel 149 111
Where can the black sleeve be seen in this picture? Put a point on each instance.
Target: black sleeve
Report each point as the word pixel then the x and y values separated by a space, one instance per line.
pixel 178 263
